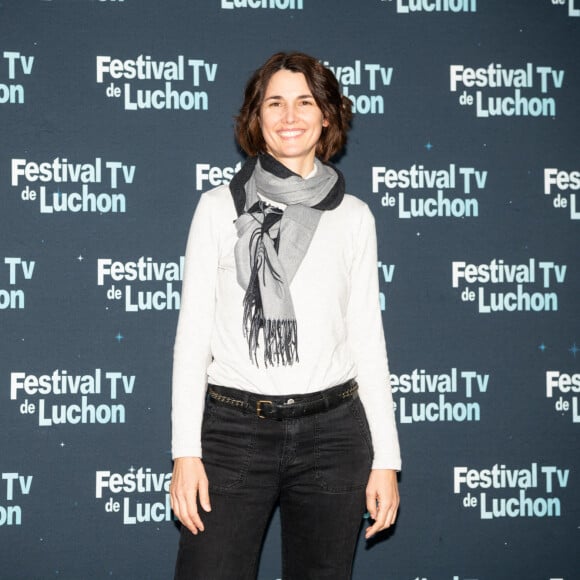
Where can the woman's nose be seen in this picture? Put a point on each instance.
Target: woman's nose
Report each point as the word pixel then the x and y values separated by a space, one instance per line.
pixel 290 114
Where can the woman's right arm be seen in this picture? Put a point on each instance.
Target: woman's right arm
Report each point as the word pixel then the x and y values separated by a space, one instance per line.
pixel 191 358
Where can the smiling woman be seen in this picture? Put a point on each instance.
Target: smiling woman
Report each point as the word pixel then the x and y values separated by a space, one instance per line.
pixel 291 121
pixel 280 384
pixel 319 82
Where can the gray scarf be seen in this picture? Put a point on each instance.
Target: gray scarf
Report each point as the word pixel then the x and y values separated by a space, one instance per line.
pixel 272 244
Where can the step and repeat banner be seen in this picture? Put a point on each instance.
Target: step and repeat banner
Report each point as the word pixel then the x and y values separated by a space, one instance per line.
pixel 117 114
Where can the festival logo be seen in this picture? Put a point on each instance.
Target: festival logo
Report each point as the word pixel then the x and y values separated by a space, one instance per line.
pixel 131 81
pixel 498 91
pixel 131 283
pixel 411 191
pixel 564 391
pixel 386 276
pixel 267 4
pixel 573 6
pixel 15 272
pixel 138 496
pixel 13 489
pixel 61 397
pixel 505 492
pixel 447 397
pixel 367 79
pixel 14 69
pixel 437 6
pixel 61 185
pixel 208 176
pixel 564 184
pixel 513 282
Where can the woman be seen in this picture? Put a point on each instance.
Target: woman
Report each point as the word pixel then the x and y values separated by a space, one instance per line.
pixel 280 355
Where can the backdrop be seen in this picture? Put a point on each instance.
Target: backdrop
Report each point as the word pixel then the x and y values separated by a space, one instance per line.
pixel 117 114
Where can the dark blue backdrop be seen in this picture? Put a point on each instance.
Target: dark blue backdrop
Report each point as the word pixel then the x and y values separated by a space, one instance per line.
pixel 115 115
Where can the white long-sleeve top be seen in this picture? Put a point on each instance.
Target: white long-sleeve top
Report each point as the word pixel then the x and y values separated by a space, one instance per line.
pixel 336 300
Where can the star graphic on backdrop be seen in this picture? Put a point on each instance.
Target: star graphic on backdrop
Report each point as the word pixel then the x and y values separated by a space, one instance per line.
pixel 119 337
pixel 428 146
pixel 80 258
pixel 131 469
pixel 542 347
pixel 62 443
pixel 574 349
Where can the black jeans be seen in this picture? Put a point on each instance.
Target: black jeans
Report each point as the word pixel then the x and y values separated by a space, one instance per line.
pixel 316 467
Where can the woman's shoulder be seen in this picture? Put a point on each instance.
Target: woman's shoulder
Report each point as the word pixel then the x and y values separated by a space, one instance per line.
pixel 352 218
pixel 353 203
pixel 217 201
pixel 217 195
pixel 354 210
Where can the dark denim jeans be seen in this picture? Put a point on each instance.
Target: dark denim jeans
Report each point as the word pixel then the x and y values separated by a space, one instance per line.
pixel 316 467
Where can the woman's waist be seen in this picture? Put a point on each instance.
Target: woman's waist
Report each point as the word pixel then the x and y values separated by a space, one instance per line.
pixel 299 379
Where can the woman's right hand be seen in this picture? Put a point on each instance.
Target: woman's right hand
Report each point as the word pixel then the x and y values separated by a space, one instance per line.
pixel 188 484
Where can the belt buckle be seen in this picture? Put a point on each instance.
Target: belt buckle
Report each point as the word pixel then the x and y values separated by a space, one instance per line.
pixel 259 408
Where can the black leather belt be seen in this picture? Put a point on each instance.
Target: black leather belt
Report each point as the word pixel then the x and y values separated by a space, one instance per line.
pixel 287 407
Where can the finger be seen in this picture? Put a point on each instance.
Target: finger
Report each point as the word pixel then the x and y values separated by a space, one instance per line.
pixel 392 515
pixel 204 495
pixel 377 525
pixel 371 530
pixel 385 518
pixel 381 518
pixel 185 509
pixel 175 505
pixel 193 520
pixel 183 516
pixel 371 504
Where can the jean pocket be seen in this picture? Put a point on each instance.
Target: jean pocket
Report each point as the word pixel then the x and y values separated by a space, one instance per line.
pixel 228 442
pixel 343 448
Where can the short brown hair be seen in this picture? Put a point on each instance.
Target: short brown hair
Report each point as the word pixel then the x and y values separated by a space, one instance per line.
pixel 336 108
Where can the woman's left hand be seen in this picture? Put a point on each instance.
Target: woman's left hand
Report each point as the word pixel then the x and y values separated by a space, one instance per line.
pixel 382 500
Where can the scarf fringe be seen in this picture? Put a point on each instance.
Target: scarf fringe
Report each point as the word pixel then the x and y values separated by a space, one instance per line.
pixel 253 314
pixel 281 342
pixel 280 336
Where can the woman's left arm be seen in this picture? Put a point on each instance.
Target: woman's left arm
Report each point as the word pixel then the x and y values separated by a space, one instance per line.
pixel 367 341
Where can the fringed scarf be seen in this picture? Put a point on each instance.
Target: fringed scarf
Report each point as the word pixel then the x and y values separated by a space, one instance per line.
pixel 272 244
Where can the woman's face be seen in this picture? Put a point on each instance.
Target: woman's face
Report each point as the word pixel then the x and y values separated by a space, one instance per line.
pixel 291 121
